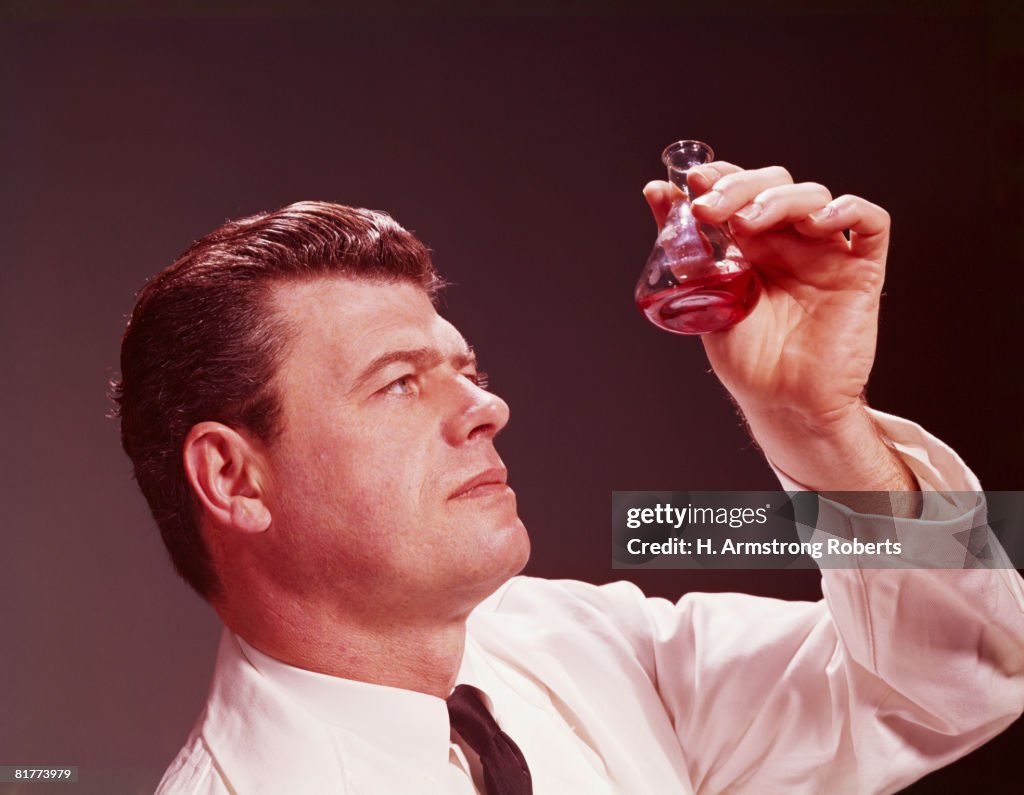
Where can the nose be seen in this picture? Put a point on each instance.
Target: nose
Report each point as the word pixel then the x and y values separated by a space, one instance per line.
pixel 476 413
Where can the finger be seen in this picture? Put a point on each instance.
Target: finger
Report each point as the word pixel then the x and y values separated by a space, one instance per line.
pixel 868 224
pixel 660 195
pixel 785 204
pixel 737 190
pixel 701 178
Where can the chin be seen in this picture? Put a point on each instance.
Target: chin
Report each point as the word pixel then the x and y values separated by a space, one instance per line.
pixel 518 555
pixel 517 552
pixel 493 564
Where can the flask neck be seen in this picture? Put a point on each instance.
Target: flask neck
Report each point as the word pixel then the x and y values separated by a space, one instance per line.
pixel 678 178
pixel 682 156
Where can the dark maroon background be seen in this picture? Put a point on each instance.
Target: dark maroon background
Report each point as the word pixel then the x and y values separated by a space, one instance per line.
pixel 517 148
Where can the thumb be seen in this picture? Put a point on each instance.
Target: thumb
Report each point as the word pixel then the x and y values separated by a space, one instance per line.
pixel 659 195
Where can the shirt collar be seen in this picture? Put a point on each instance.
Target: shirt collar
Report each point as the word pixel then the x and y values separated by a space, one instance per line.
pixel 413 724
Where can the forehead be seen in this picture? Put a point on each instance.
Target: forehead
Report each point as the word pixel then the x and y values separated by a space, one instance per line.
pixel 348 322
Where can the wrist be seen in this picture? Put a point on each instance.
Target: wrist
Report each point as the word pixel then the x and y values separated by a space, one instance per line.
pixel 843 451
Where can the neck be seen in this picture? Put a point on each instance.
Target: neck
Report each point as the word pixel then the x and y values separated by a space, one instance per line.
pixel 424 657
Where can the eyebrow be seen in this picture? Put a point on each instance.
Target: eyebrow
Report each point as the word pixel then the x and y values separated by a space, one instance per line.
pixel 421 358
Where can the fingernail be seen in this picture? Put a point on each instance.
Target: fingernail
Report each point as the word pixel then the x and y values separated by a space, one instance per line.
pixel 709 174
pixel 709 200
pixel 826 212
pixel 750 212
pixel 703 181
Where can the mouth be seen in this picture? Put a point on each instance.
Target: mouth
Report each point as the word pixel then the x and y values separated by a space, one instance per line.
pixel 487 483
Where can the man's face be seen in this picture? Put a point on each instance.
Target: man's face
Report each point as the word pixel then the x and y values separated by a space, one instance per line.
pixel 386 490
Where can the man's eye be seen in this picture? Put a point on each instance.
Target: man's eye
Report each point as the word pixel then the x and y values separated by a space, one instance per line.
pixel 481 379
pixel 406 385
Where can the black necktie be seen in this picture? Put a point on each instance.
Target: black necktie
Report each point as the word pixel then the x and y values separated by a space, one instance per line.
pixel 505 770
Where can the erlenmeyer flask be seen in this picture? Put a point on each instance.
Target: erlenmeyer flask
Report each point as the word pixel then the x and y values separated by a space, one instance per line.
pixel 696 280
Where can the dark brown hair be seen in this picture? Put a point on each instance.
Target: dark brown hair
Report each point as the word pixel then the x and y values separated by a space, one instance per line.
pixel 203 345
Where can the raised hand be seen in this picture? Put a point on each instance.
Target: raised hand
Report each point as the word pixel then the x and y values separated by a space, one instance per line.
pixel 798 364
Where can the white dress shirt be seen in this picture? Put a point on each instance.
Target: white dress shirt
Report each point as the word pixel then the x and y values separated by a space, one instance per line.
pixel 893 674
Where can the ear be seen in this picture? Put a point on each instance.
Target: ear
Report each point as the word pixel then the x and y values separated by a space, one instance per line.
pixel 226 471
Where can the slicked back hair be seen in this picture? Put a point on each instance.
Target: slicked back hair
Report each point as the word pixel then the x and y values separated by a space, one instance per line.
pixel 203 344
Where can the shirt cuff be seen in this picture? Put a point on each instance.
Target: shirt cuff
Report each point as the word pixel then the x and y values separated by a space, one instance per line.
pixel 951 531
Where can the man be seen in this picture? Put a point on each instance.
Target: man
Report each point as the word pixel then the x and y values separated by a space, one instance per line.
pixel 316 444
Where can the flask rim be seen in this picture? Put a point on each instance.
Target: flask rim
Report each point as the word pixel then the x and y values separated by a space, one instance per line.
pixel 683 155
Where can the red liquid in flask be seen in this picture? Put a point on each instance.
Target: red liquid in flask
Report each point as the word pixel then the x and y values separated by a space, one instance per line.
pixel 702 306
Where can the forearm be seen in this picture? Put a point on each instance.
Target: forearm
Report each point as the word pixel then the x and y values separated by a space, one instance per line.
pixel 848 454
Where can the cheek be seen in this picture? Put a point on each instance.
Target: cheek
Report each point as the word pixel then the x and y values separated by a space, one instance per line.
pixel 353 482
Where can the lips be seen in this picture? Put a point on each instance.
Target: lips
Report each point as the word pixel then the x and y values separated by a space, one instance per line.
pixel 490 481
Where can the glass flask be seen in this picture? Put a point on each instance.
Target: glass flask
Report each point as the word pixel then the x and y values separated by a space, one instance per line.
pixel 696 280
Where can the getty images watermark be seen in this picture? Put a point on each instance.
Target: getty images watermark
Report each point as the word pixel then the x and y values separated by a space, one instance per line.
pixel 802 530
